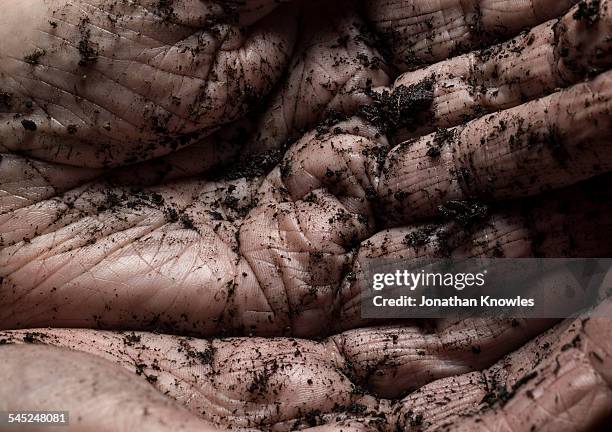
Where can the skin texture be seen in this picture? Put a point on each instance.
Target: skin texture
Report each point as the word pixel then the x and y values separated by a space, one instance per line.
pixel 530 143
pixel 191 191
pixel 293 383
pixel 552 55
pixel 114 83
pixel 191 240
pixel 101 396
pixel 426 32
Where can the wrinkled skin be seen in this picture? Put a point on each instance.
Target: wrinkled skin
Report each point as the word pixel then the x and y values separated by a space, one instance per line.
pixel 190 191
pixel 108 83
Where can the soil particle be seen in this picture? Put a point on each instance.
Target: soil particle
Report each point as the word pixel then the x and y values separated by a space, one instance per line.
pixel 157 198
pixel 587 12
pixel 140 367
pixel 314 418
pixel 152 378
pixel 6 100
pixel 255 166
pixel 205 357
pixel 260 382
pixel 172 214
pixel 131 339
pixel 165 10
pixel 414 420
pixel 87 51
pixel 500 393
pixel 466 213
pixel 33 337
pixel 373 63
pixel 433 152
pixel 554 142
pixel 420 237
pixel 444 136
pixel 573 344
pixel 187 222
pixel 356 408
pixel 34 57
pixel 400 108
pixel 330 119
pixel 28 125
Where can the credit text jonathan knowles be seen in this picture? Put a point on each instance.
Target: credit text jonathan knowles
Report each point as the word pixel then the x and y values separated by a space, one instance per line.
pixel 402 280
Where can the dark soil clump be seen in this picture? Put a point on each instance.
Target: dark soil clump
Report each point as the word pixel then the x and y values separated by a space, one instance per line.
pixel 588 12
pixel 29 125
pixel 466 213
pixel 255 166
pixel 6 100
pixel 88 54
pixel 34 58
pixel 400 108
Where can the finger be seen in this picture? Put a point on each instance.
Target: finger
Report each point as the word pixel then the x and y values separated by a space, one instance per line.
pixel 421 32
pixel 546 227
pixel 394 361
pixel 461 402
pixel 97 91
pixel 552 55
pixel 560 381
pixel 565 223
pixel 246 382
pixel 98 395
pixel 547 143
pixel 334 62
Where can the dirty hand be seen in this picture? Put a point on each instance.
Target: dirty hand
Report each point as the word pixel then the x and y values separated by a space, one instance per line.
pixel 210 169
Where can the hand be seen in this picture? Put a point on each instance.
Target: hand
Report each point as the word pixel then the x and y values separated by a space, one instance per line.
pixel 237 235
pixel 288 384
pixel 105 83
